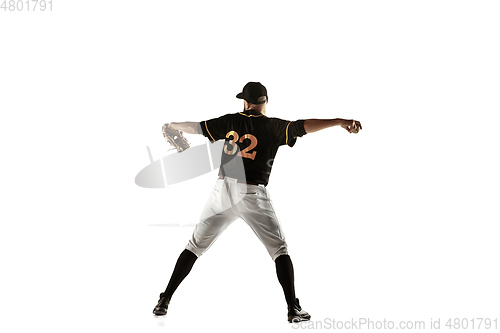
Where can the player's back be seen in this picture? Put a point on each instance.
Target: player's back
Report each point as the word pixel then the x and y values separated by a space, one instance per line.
pixel 252 141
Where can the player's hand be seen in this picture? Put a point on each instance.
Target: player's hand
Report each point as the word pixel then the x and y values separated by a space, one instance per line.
pixel 169 126
pixel 351 125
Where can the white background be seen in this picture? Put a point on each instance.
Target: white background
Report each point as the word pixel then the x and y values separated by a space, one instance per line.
pixel 398 222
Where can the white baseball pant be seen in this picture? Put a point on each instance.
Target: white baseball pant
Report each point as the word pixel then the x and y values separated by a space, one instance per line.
pixel 231 200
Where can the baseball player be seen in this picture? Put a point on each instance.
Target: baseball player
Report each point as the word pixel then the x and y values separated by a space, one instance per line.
pixel 251 142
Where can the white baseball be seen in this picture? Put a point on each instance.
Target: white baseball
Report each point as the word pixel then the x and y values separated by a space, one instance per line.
pixel 354 127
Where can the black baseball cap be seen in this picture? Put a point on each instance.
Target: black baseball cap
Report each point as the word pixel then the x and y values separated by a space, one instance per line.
pixel 253 92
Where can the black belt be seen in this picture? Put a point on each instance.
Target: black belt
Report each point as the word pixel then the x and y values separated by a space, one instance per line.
pixel 242 181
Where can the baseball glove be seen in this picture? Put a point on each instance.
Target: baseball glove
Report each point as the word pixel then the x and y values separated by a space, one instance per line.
pixel 175 138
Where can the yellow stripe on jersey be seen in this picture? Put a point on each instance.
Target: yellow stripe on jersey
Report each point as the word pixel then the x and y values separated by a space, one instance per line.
pixel 286 141
pixel 250 115
pixel 209 131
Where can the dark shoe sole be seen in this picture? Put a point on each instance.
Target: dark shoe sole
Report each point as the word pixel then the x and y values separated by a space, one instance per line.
pixel 160 312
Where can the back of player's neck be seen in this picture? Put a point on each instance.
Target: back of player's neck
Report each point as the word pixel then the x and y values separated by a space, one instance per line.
pixel 252 111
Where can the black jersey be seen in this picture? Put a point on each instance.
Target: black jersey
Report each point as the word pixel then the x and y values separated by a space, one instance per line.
pixel 254 138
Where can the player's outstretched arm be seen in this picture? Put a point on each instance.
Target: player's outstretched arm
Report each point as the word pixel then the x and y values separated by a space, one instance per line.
pixel 189 127
pixel 314 125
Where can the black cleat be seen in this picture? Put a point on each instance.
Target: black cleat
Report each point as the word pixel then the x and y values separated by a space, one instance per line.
pixel 296 314
pixel 162 306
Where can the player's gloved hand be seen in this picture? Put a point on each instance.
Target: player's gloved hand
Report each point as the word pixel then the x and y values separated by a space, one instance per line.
pixel 175 138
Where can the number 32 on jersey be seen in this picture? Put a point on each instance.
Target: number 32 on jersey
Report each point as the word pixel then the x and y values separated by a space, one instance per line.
pixel 236 138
